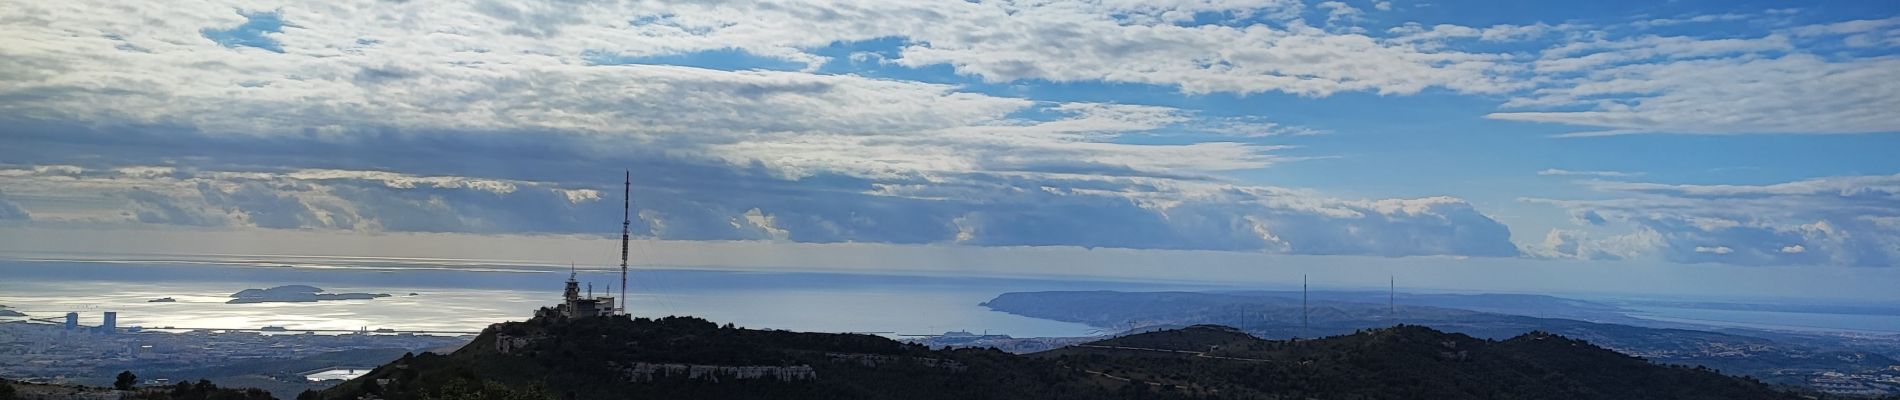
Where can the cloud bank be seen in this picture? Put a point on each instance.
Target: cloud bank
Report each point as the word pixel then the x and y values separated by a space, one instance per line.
pixel 497 117
pixel 1846 221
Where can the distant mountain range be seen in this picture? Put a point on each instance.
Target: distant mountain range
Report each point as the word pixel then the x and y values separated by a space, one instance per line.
pixel 690 358
pixel 1279 315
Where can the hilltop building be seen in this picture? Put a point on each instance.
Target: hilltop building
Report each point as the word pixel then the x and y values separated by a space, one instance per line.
pixel 573 305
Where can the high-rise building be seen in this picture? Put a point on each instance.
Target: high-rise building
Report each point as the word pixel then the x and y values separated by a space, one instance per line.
pixel 111 324
pixel 72 321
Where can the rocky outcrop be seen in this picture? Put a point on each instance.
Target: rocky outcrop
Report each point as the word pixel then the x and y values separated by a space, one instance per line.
pixel 648 372
pixel 508 344
pixel 874 360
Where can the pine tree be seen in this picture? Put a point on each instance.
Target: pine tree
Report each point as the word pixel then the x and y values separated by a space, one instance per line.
pixel 6 391
pixel 125 381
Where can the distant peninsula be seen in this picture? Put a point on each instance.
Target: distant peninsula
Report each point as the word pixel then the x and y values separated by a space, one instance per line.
pixel 295 294
pixel 4 312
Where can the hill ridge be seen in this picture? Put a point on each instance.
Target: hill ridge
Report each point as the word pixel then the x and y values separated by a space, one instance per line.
pixel 692 358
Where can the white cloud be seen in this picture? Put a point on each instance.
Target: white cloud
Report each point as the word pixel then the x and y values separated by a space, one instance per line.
pixel 1607 174
pixel 1587 217
pixel 1299 60
pixel 10 211
pixel 1418 33
pixel 325 199
pixel 359 75
pixel 1592 55
pixel 346 73
pixel 146 172
pixel 1704 18
pixel 1779 82
pixel 1575 244
pixel 577 196
pixel 1250 127
pixel 344 66
pixel 1858 33
pixel 1033 207
pixel 61 170
pixel 1714 249
pixel 1728 96
pixel 1826 221
pixel 399 180
pixel 1339 15
pixel 765 223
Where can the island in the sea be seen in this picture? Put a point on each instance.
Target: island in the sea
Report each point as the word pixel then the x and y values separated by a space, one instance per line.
pixel 295 294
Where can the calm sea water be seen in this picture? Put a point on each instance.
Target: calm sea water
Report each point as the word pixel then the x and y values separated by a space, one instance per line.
pixel 1775 320
pixel 468 299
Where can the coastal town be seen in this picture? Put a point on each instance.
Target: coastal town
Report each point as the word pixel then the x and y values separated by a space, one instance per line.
pixel 59 353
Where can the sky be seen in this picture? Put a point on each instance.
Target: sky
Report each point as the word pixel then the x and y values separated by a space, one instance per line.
pixel 1748 146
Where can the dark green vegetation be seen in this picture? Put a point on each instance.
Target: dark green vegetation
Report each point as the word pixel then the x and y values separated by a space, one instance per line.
pixel 597 357
pixel 1273 315
pixel 279 376
pixel 125 381
pixel 202 390
pixel 287 368
pixel 1400 362
pixel 630 358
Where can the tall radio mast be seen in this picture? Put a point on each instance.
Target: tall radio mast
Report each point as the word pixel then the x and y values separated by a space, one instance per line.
pixel 626 221
pixel 1303 323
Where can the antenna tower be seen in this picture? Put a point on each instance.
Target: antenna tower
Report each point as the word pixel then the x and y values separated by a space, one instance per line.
pixel 1393 293
pixel 626 221
pixel 1303 324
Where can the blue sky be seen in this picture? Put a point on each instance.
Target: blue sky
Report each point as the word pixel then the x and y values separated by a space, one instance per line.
pixel 1747 134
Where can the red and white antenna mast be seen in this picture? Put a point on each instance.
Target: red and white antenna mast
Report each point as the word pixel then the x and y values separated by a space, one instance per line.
pixel 626 221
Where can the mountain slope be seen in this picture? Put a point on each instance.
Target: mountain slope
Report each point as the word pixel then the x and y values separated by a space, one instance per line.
pixel 1279 317
pixel 689 358
pixel 694 359
pixel 1400 362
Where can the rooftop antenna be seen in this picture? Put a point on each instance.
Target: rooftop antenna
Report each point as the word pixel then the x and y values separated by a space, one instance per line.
pixel 1303 324
pixel 573 290
pixel 626 222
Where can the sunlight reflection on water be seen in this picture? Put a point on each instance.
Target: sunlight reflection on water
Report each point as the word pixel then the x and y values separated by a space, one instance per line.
pixel 456 300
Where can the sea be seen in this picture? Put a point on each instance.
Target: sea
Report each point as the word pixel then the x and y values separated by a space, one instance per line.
pixel 438 296
pixel 451 298
pixel 1773 320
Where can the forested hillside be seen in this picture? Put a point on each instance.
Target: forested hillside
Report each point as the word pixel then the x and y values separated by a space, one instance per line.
pixel 690 358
